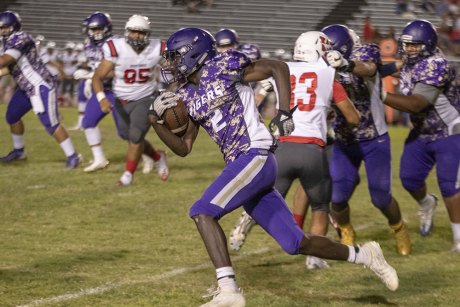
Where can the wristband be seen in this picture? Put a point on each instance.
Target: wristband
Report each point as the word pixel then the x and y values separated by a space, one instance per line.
pixel 100 96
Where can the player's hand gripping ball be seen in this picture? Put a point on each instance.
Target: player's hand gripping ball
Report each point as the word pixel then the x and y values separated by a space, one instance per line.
pixel 170 112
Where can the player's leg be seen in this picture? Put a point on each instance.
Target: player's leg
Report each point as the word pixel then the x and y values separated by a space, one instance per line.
pixel 155 158
pixel 448 174
pixel 45 105
pixel 17 107
pixel 81 105
pixel 93 115
pixel 344 166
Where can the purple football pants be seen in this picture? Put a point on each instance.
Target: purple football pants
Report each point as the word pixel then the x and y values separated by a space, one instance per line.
pixel 248 181
pixel 344 167
pixel 93 113
pixel 419 157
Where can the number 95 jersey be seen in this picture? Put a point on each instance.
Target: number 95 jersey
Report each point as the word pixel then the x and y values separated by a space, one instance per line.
pixel 133 72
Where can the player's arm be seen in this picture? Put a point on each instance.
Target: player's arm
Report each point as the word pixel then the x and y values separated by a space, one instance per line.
pixel 104 69
pixel 345 105
pixel 422 96
pixel 359 68
pixel 265 68
pixel 5 60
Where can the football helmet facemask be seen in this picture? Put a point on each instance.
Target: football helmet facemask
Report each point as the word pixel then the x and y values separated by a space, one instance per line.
pixel 418 40
pixel 251 50
pixel 310 46
pixel 10 20
pixel 226 37
pixel 186 51
pixel 97 21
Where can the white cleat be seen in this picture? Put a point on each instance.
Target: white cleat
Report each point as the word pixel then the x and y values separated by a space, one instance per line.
pixel 126 179
pixel 96 165
pixel 162 166
pixel 379 266
pixel 426 214
pixel 241 230
pixel 313 262
pixel 147 164
pixel 456 247
pixel 225 298
pixel 76 128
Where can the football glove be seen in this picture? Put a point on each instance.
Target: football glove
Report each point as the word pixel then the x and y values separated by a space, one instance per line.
pixel 163 102
pixel 82 74
pixel 266 85
pixel 282 123
pixel 88 88
pixel 337 61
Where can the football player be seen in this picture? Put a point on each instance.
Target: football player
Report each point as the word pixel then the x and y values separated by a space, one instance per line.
pixel 368 143
pixel 215 91
pixel 430 95
pixel 132 59
pixel 36 90
pixel 226 39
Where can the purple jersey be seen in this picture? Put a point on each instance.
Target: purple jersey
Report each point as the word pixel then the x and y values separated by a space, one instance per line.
pixel 365 94
pixel 225 107
pixel 437 120
pixel 29 71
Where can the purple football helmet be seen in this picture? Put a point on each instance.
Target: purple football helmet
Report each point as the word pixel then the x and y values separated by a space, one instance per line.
pixel 10 19
pixel 340 38
pixel 419 32
pixel 251 50
pixel 226 37
pixel 97 20
pixel 186 51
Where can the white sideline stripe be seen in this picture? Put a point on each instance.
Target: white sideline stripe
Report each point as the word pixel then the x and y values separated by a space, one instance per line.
pixel 111 286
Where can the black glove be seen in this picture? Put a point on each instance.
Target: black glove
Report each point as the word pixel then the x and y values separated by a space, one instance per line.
pixel 283 122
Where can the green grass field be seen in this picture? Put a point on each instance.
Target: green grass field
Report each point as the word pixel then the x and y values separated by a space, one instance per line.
pixel 68 238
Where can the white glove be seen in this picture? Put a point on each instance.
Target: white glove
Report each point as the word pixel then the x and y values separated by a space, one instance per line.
pixel 163 102
pixel 82 74
pixel 266 85
pixel 88 88
pixel 336 60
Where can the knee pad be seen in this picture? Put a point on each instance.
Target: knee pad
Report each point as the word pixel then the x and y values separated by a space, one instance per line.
pixel 135 135
pixel 338 207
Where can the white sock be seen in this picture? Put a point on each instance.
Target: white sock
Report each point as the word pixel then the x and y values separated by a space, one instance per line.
pixel 351 254
pixel 80 120
pixel 456 231
pixel 67 147
pixel 93 136
pixel 361 257
pixel 226 278
pixel 98 153
pixel 428 199
pixel 18 141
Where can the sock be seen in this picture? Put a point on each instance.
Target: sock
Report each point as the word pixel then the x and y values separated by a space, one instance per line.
pixel 456 231
pixel 80 120
pixel 67 147
pixel 426 200
pixel 131 166
pixel 156 155
pixel 299 219
pixel 18 141
pixel 352 254
pixel 226 278
pixel 98 153
pixel 360 256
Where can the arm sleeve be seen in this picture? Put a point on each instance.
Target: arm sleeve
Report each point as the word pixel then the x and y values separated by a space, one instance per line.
pixel 387 69
pixel 338 92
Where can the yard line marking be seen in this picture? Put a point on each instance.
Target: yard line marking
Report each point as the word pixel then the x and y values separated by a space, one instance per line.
pixel 112 286
pixel 166 275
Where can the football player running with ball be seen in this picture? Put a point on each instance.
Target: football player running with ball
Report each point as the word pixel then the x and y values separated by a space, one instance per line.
pixel 132 59
pixel 214 87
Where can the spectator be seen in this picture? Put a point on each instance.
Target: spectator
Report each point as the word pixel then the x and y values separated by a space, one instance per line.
pixel 368 30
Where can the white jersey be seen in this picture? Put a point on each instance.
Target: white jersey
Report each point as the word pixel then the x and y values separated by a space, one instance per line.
pixel 312 92
pixel 134 72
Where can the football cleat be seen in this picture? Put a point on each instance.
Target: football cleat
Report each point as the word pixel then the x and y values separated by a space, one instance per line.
pixel 348 234
pixel 147 164
pixel 313 262
pixel 241 230
pixel 162 166
pixel 225 298
pixel 15 154
pixel 77 127
pixel 73 161
pixel 426 214
pixel 126 179
pixel 97 165
pixel 379 266
pixel 403 243
pixel 456 247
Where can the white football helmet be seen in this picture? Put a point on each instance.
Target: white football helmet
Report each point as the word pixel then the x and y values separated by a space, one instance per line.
pixel 310 46
pixel 137 23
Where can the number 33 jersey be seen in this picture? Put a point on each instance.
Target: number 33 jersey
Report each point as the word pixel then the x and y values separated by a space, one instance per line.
pixel 312 90
pixel 133 78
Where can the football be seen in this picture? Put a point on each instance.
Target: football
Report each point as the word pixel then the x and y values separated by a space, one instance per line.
pixel 176 118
